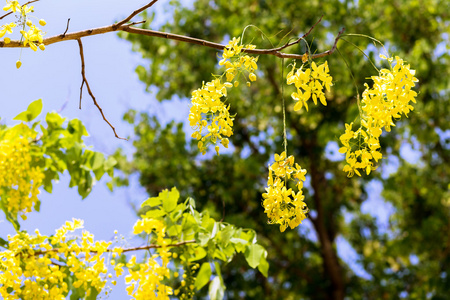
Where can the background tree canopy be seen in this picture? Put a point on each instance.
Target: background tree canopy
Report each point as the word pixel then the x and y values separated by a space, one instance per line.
pixel 409 256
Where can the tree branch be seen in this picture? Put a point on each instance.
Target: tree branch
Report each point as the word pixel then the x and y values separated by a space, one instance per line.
pixel 299 39
pixel 127 28
pixel 147 247
pixel 67 27
pixel 83 75
pixel 127 19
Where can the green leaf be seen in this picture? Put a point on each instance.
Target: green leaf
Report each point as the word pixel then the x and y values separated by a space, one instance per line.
pixel 152 202
pixel 155 213
pixel 198 254
pixel 110 162
pixel 3 243
pixel 169 199
pixel 99 173
pixel 264 265
pixel 54 120
pixel 238 241
pixel 93 295
pixel 33 110
pixel 97 160
pixel 216 289
pixel 218 253
pixel 203 238
pixel 203 276
pixel 218 272
pixel 226 234
pixel 191 202
pixel 23 116
pixel 253 255
pixel 37 206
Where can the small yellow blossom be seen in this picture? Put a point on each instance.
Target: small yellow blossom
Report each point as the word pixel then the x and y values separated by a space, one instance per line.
pixel 6 28
pixel 14 6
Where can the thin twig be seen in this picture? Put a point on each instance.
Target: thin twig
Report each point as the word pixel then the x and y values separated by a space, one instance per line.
pixel 67 27
pixel 153 246
pixel 7 14
pixel 134 14
pixel 147 247
pixel 299 39
pixel 89 89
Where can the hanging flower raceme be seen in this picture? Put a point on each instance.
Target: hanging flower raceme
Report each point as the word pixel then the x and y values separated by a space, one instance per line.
pixel 145 280
pixel 208 108
pixel 386 101
pixel 209 112
pixel 19 179
pixel 281 204
pixel 310 83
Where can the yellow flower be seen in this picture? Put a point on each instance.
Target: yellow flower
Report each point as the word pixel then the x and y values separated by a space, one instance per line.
pixel 14 6
pixel 6 28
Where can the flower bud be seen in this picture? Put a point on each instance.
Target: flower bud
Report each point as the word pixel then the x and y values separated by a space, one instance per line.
pixel 18 64
pixel 42 22
pixel 42 47
pixel 7 40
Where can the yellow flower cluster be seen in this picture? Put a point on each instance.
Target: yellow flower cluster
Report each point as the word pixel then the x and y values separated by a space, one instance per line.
pixel 145 280
pixel 235 62
pixel 208 110
pixel 388 99
pixel 33 37
pixel 36 266
pixel 281 204
pixel 310 84
pixel 20 181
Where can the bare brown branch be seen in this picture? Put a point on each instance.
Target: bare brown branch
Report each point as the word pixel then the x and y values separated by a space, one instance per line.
pixel 67 27
pixel 127 19
pixel 83 75
pixel 147 247
pixel 127 27
pixel 179 244
pixel 299 39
